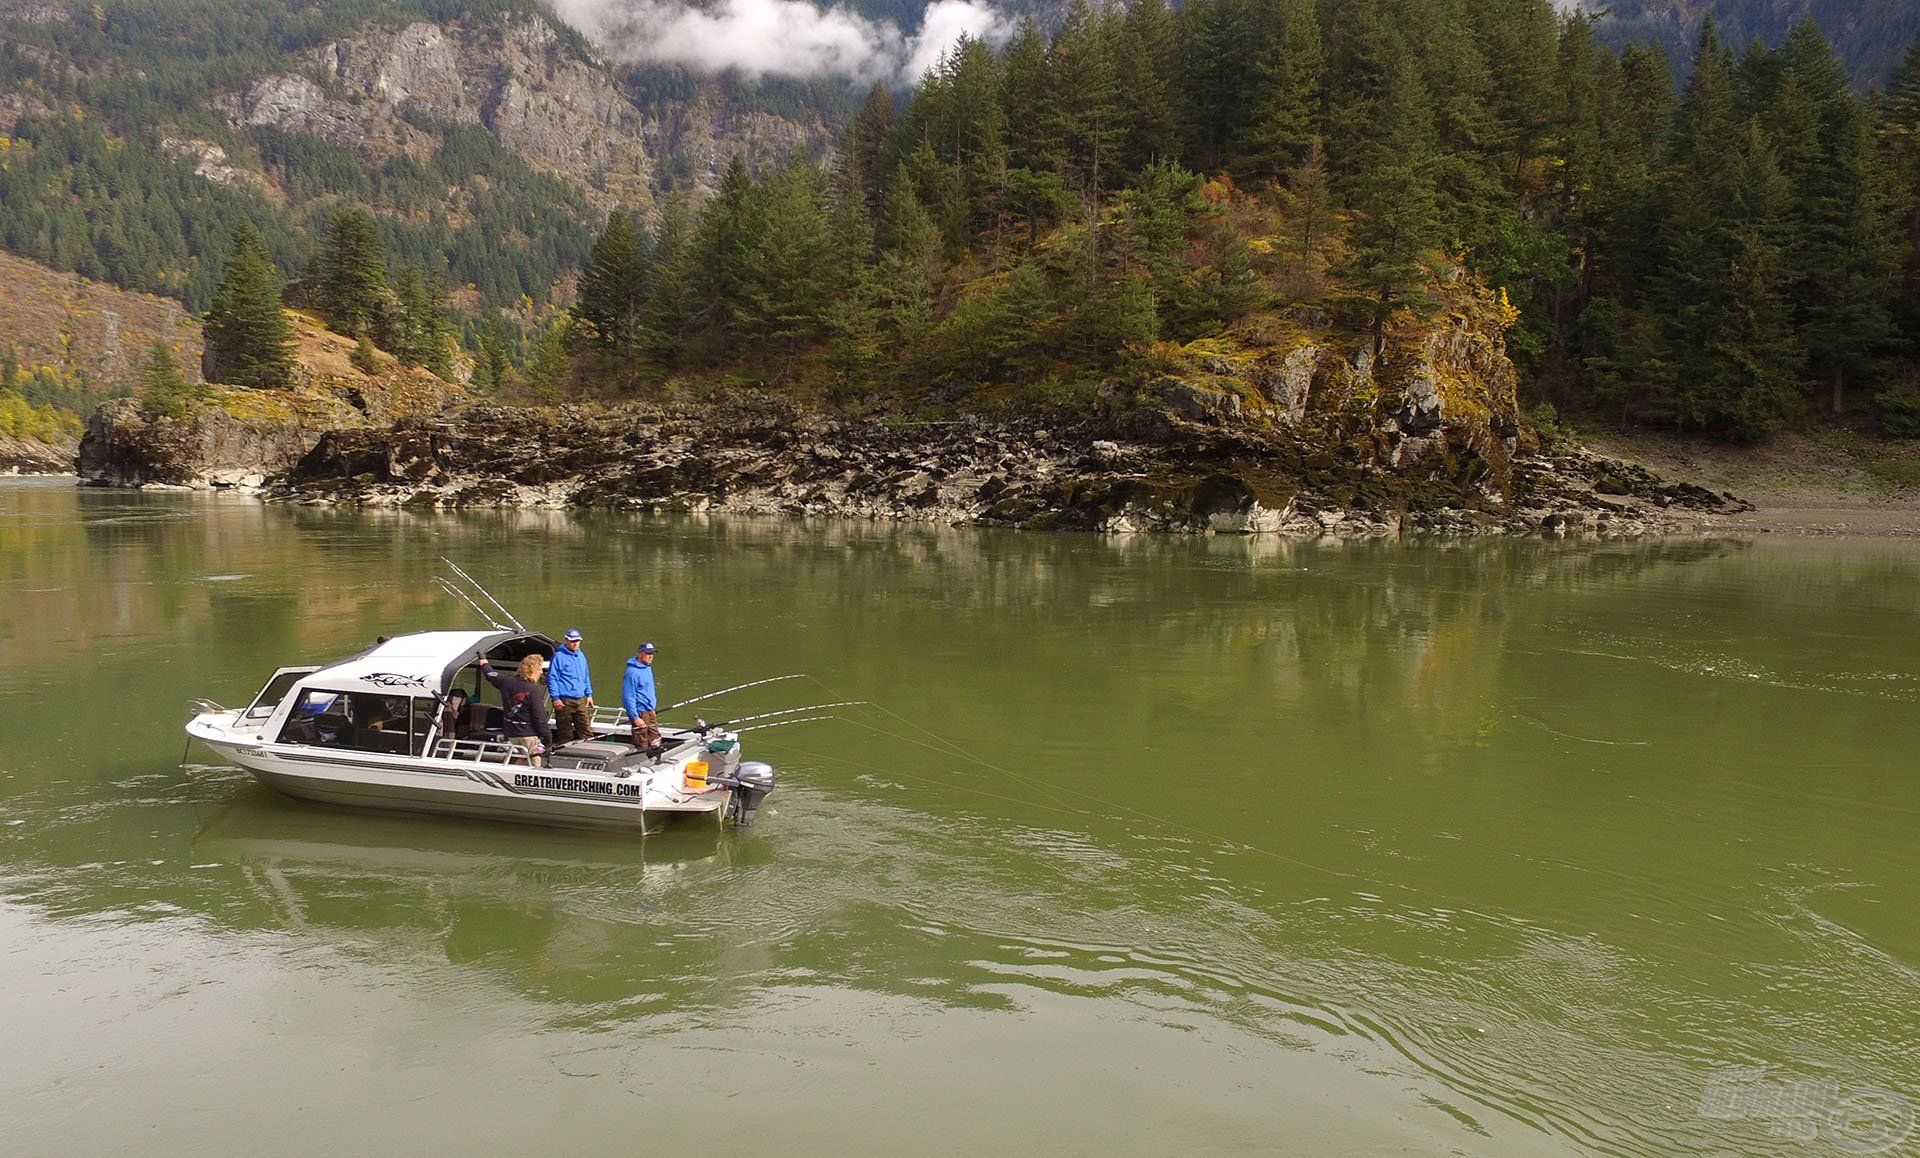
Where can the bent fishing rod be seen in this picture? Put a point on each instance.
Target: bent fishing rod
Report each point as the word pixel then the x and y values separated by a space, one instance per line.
pixel 734 688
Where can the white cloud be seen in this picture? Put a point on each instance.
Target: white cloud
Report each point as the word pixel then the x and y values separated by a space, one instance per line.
pixel 944 23
pixel 782 37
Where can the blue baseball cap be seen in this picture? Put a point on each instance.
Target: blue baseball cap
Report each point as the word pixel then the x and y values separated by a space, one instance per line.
pixel 646 649
pixel 573 633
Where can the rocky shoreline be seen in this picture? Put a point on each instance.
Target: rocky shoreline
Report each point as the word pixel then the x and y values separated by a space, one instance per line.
pixel 764 456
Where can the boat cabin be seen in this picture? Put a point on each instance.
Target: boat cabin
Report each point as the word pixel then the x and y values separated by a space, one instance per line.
pixel 413 695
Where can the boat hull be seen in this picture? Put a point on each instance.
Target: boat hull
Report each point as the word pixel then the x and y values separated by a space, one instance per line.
pixel 513 793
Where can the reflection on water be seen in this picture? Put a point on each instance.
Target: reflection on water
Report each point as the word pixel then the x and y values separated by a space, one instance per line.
pixel 1472 847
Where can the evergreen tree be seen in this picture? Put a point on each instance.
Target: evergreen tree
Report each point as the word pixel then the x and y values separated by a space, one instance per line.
pixel 422 331
pixel 869 138
pixel 164 388
pixel 349 276
pixel 851 317
pixel 1286 119
pixel 1397 224
pixel 493 367
pixel 1310 224
pixel 550 365
pixel 1035 136
pixel 613 291
pixel 364 357
pixel 1148 64
pixel 725 248
pixel 1845 254
pixel 909 266
pixel 783 300
pixel 1086 97
pixel 1901 130
pixel 1718 351
pixel 671 309
pixel 247 339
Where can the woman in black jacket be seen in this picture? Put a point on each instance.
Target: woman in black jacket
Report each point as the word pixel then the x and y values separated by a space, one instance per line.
pixel 525 720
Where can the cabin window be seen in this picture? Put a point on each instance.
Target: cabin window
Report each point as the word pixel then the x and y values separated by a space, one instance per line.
pixel 396 725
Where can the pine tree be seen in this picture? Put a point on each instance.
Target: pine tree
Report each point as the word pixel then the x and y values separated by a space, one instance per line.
pixel 1086 96
pixel 851 318
pixel 1148 63
pixel 1901 130
pixel 870 140
pixel 1717 351
pixel 422 332
pixel 613 291
pixel 1035 137
pixel 1311 222
pixel 493 367
pixel 349 276
pixel 1845 253
pixel 670 312
pixel 783 299
pixel 1286 119
pixel 164 388
pixel 247 339
pixel 909 267
pixel 725 248
pixel 550 365
pixel 1397 224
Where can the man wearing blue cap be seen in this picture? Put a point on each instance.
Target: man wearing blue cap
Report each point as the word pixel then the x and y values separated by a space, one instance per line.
pixel 637 699
pixel 571 686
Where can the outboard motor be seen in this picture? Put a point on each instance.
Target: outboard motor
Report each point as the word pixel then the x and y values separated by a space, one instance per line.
pixel 751 784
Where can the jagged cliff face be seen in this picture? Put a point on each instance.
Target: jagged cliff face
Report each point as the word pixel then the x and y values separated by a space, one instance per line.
pixel 542 100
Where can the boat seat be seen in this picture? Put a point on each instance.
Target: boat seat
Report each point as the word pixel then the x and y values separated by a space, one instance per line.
pixel 333 729
pixel 484 720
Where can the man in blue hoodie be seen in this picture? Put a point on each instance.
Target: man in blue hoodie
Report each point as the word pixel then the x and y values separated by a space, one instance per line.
pixel 571 686
pixel 637 699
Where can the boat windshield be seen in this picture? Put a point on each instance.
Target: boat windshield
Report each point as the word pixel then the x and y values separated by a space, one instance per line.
pixel 275 691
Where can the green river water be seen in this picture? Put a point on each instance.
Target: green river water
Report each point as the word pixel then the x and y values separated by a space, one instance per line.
pixel 1145 845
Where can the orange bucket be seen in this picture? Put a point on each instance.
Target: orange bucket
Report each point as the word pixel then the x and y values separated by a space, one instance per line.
pixel 696 776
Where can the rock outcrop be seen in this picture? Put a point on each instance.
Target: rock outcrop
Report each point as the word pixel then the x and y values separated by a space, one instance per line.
pixel 32 456
pixel 238 438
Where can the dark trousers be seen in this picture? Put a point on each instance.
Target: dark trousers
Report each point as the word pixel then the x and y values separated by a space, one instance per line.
pixel 571 721
pixel 646 731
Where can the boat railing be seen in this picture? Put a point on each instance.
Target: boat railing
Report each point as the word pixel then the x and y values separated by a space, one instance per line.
pixel 482 752
pixel 609 717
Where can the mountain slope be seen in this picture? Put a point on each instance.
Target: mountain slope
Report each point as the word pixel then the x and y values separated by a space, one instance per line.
pixel 1870 35
pixel 489 141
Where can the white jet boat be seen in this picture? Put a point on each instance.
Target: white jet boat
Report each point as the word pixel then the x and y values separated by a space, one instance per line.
pixel 411 725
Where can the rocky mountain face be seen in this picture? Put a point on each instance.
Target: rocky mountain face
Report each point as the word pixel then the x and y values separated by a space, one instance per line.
pixel 544 100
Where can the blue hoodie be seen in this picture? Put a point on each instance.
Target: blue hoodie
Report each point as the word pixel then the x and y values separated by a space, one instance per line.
pixel 568 677
pixel 636 690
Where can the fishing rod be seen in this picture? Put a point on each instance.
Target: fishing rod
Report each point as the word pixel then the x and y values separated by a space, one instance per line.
pixel 462 596
pixel 460 571
pixel 734 688
pixel 790 711
pixel 784 723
